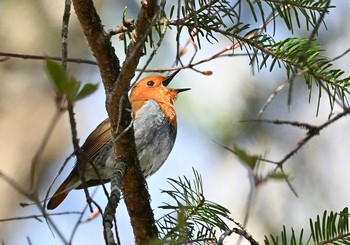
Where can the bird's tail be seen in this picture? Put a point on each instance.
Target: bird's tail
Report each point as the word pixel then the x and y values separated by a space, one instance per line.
pixel 62 192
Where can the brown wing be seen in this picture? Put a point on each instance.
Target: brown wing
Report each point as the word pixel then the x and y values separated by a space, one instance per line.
pixel 92 145
pixel 97 139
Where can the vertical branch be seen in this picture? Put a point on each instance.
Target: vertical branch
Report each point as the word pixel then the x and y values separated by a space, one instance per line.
pixel 64 33
pixel 99 42
pixel 60 104
pixel 37 158
pixel 60 109
pixel 135 194
pixel 78 153
pixel 112 205
pixel 116 82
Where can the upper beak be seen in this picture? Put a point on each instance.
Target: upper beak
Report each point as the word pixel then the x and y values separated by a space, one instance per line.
pixel 168 80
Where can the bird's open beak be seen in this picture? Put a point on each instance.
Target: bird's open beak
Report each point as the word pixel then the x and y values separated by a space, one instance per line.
pixel 168 80
pixel 179 90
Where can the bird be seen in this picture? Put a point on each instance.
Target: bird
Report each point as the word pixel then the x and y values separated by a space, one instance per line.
pixel 155 129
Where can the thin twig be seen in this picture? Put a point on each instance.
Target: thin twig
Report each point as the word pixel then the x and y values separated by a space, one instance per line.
pixel 302 125
pixel 37 158
pixel 240 232
pixel 316 27
pixel 310 134
pixel 178 32
pixel 79 221
pixel 249 202
pixel 306 47
pixel 56 177
pixel 41 57
pixel 29 241
pixel 271 98
pixel 126 26
pixel 15 185
pixel 180 21
pixel 91 62
pixel 79 154
pixel 37 216
pixel 109 213
pixel 312 131
pixel 64 33
pixel 35 199
pixel 154 51
pixel 59 109
pixel 340 56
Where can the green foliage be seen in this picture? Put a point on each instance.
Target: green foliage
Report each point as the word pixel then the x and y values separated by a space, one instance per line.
pixel 300 56
pixel 332 228
pixel 65 85
pixel 210 17
pixel 275 175
pixel 191 219
pixel 204 19
pixel 252 162
pixel 290 11
pixel 247 159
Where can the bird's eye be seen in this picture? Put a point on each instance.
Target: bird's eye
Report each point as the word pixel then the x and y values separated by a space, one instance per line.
pixel 150 83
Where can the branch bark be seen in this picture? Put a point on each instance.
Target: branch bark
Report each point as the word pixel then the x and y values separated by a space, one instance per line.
pixel 116 82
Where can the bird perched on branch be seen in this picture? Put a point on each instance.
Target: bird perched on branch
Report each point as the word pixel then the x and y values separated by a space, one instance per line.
pixel 154 121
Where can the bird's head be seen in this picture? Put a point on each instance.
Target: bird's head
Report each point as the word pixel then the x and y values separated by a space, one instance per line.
pixel 155 88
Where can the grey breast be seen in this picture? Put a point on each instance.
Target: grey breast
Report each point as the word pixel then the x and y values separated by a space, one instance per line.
pixel 154 137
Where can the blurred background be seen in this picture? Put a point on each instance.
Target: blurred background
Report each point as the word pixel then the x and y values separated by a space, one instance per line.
pixel 211 113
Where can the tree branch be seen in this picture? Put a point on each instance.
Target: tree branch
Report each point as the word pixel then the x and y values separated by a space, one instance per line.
pixel 240 232
pixel 99 42
pixel 136 196
pixel 116 83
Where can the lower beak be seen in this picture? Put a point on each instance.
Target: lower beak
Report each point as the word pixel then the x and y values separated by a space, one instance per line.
pixel 180 90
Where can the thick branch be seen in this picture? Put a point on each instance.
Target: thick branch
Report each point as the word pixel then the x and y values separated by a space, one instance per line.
pixel 136 196
pixel 99 42
pixel 116 85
